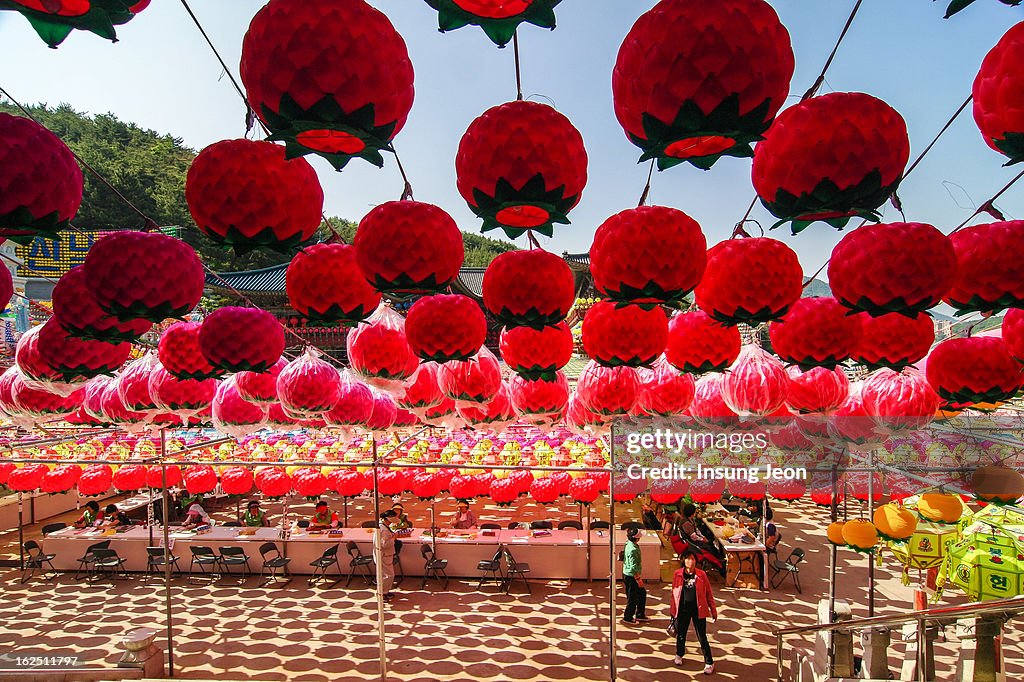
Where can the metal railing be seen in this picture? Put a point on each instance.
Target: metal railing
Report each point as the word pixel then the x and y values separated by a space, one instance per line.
pixel 1006 607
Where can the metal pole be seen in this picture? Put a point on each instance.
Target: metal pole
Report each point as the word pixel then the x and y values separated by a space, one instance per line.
pixel 612 672
pixel 871 554
pixel 378 558
pixel 833 556
pixel 778 657
pixel 21 536
pixel 344 506
pixel 433 532
pixel 587 531
pixel 922 657
pixel 167 556
pixel 150 517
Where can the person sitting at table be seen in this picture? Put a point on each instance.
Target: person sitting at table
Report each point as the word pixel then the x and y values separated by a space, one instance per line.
pixel 91 515
pixel 772 536
pixel 751 515
pixel 324 518
pixel 693 601
pixel 650 519
pixel 116 517
pixel 670 523
pixel 195 515
pixel 464 517
pixel 254 517
pixel 692 529
pixel 401 525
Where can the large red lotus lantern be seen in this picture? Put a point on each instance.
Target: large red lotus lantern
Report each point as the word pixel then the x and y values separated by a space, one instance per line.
pixel 706 490
pixel 584 490
pixel 130 477
pixel 384 412
pixel 60 479
pixel 581 419
pixel 345 94
pixel 54 20
pixel 447 415
pixel 199 479
pixel 248 194
pixel 786 490
pixel 698 344
pixel 115 412
pixel 260 387
pixel 989 277
pixel 818 390
pixel 1013 332
pixel 273 482
pixel 27 478
pixel 144 275
pixel 379 350
pixel 979 369
pixel 97 479
pixel 537 398
pixel 233 415
pixel 389 481
pixel 998 107
pixel 409 247
pixel 92 396
pixel 40 184
pixel 650 254
pixel 355 402
pixel 771 275
pixel 544 490
pixel 900 401
pixel 530 288
pixel 180 354
pixel 309 483
pixel 898 267
pixel 521 166
pixel 830 158
pixel 76 310
pixel 495 413
pixel 608 391
pixel 893 340
pixel 30 362
pixel 852 425
pixel 6 469
pixel 664 390
pixel 624 334
pixel 499 19
pixel 309 386
pixel 324 282
pixel 476 380
pixel 738 64
pixel 236 481
pixel 536 353
pixel 818 331
pixel 756 385
pixel 155 477
pixel 445 327
pixel 77 359
pixel 183 397
pixel 241 339
pixel 503 492
pixel 745 489
pixel 133 383
pixel 422 391
pixel 426 486
pixel 346 482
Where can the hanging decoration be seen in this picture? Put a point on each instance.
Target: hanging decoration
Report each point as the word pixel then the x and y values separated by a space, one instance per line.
pixel 445 327
pixel 260 387
pixel 75 360
pixel 900 401
pixel 355 402
pixel 536 353
pixel 997 103
pixel 988 275
pixel 379 351
pixel 76 310
pixel 241 339
pixel 664 390
pixel 309 386
pixel 421 391
pixel 499 19
pixel 979 369
pixel 324 283
pixel 698 344
pixel 817 331
pixel 756 385
pixel 818 390
pixel 179 353
pixel 53 20
pixel 233 415
pixel 536 399
pixel 893 340
pixel 617 334
pixel 495 414
pixel 529 288
pixel 383 414
pixel 1013 332
pixel 770 271
pixel 345 94
pixel 608 391
pixel 476 380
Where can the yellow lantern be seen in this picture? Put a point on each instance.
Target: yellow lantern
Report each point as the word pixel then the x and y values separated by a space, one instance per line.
pixel 835 533
pixel 860 535
pixel 940 507
pixel 895 523
pixel 997 484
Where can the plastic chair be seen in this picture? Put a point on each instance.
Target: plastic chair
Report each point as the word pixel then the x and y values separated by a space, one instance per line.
pixel 491 570
pixel 540 525
pixel 235 556
pixel 204 557
pixel 599 525
pixel 107 562
pixel 790 566
pixel 515 569
pixel 432 566
pixel 86 560
pixel 565 525
pixel 327 559
pixel 277 564
pixel 358 561
pixel 53 528
pixel 35 561
pixel 490 526
pixel 155 558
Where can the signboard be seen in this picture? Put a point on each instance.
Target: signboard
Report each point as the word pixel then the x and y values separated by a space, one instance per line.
pixel 53 257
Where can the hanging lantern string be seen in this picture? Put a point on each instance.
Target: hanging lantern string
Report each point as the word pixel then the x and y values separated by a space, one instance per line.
pixel 23 264
pixel 407 188
pixel 534 244
pixel 250 115
pixel 647 187
pixel 813 90
pixel 150 224
pixel 989 206
pixel 519 71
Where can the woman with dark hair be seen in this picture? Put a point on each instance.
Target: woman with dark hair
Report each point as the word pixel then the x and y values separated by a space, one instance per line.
pixel 693 601
pixel 91 515
pixel 636 594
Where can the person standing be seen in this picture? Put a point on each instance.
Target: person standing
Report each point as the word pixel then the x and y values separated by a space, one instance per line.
pixel 693 601
pixel 385 549
pixel 636 594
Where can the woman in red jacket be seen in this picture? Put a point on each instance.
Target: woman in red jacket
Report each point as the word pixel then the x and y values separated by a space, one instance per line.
pixel 692 600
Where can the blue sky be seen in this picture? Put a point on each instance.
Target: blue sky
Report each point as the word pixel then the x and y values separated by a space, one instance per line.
pixel 161 75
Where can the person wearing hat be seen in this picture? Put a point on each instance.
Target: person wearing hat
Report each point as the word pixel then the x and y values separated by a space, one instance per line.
pixel 195 515
pixel 464 517
pixel 636 594
pixel 254 517
pixel 323 518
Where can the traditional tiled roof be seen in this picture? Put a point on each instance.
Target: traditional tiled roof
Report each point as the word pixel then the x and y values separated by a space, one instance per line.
pixel 265 279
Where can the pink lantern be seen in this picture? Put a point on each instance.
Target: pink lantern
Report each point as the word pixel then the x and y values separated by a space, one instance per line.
pixel 379 350
pixel 233 415
pixel 421 391
pixel 260 387
pixel 309 386
pixel 133 383
pixel 494 414
pixel 608 391
pixel 900 401
pixel 664 390
pixel 539 397
pixel 355 402
pixel 818 390
pixel 476 380
pixel 756 384
pixel 852 425
pixel 183 397
pixel 709 407
pixel 384 412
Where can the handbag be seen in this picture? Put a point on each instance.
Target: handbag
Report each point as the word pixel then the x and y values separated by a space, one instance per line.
pixel 672 627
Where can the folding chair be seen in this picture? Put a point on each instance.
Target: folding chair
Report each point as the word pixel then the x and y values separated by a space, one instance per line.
pixel 204 557
pixel 490 526
pixel 369 524
pixel 632 524
pixel 276 563
pixel 575 525
pixel 516 569
pixel 155 559
pixel 432 566
pixel 108 563
pixel 235 556
pixel 53 528
pixel 35 560
pixel 399 570
pixel 85 562
pixel 358 561
pixel 491 570
pixel 790 566
pixel 599 525
pixel 541 525
pixel 512 525
pixel 327 559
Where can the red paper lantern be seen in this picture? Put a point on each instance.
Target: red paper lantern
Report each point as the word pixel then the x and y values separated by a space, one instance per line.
pixel 30 362
pixel 709 407
pixel 130 477
pixel 521 166
pixel 998 109
pixel 273 482
pixel 60 479
pixel 155 477
pixel 233 415
pixel 786 490
pixel 823 497
pixel 668 491
pixel 899 267
pixel 384 412
pixel 900 401
pixel 536 353
pixel 355 402
pixel 979 369
pixel 405 418
pixel 756 385
pixel 422 390
pixel 664 390
pixel 180 354
pixel 1013 332
pixel 544 490
pixel 583 490
pixel 409 247
pixel 76 310
pixel 447 416
pixel 697 343
pixel 347 482
pixel 27 478
pixel 426 486
pixel 706 490
pixel 830 158
pixel 579 418
pixel 309 386
pixel 389 482
pixel 379 350
pixel 818 390
pixel 248 194
pixel 626 488
pixel 133 384
pixel 771 275
pixel 115 411
pixel 462 487
pixel 745 489
pixel 495 413
pixel 498 18
pixel 650 254
pixel 857 483
pixel 503 492
pixel 236 481
pixel 53 20
pixel 6 468
pixel 41 183
pixel 97 479
pixel 617 334
pixel 852 425
pixel 35 402
pixel 241 339
pixel 199 479
pixel 260 387
pixel 476 380
pixel 309 483
pixel 818 331
pixel 529 288
pixel 539 397
pixel 75 360
pixel 445 327
pixel 608 391
pixel 345 94
pixel 893 340
pixel 144 275
pixel 325 283
pixel 988 276
pixel 738 65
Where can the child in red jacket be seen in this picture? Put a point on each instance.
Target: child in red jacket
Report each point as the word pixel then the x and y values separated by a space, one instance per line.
pixel 692 600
